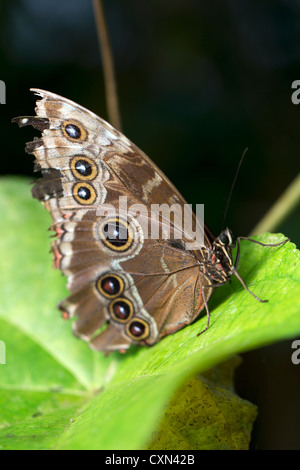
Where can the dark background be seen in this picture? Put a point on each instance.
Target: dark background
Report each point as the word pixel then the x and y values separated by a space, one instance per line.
pixel 198 82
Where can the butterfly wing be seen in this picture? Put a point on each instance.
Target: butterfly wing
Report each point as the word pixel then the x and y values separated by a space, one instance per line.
pixel 140 288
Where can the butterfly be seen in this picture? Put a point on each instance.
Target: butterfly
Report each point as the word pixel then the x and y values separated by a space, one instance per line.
pixel 126 287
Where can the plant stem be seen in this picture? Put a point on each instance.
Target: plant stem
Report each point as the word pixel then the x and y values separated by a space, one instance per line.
pixel 108 66
pixel 282 208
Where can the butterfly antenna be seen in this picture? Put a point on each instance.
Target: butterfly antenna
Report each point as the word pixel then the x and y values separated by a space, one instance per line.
pixel 232 186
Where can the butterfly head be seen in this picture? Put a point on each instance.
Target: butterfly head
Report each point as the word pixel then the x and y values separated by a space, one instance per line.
pixel 220 263
pixel 225 240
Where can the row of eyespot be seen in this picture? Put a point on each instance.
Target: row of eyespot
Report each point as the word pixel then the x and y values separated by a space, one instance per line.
pixel 110 285
pixel 120 308
pixel 84 168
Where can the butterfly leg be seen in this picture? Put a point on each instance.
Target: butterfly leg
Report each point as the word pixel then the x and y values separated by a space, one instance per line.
pixel 207 312
pixel 245 286
pixel 234 270
pixel 238 240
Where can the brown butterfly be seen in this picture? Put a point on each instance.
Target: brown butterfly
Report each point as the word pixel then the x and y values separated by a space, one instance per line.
pixel 139 288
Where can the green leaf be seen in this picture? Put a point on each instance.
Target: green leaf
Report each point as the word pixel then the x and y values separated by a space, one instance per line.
pixel 57 393
pixel 205 413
